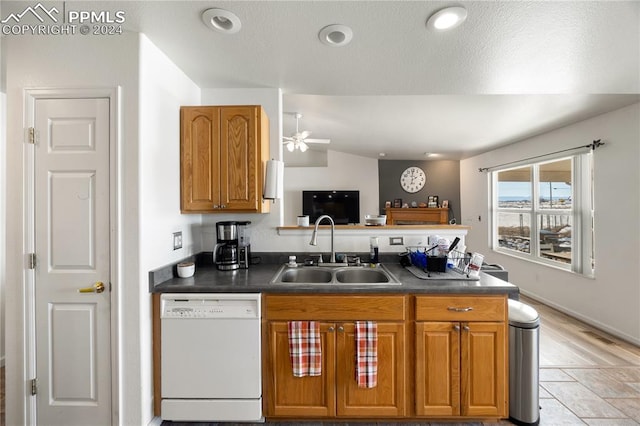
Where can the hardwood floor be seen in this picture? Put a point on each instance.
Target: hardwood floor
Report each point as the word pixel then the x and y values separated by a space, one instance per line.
pixel 586 377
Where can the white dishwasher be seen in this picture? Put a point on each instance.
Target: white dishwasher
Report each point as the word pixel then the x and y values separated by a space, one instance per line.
pixel 210 357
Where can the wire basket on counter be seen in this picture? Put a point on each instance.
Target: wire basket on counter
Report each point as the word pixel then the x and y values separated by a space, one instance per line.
pixel 433 259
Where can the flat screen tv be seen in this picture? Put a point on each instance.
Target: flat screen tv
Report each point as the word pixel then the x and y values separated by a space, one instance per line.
pixel 342 206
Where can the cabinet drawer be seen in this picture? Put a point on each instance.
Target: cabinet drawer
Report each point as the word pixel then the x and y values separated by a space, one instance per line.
pixel 335 308
pixel 461 308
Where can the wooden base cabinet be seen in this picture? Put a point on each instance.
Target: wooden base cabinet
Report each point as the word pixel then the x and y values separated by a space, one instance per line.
pixel 223 150
pixel 461 356
pixel 335 392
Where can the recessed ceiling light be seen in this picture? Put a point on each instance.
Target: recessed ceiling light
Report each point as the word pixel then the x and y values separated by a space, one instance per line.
pixel 382 154
pixel 447 18
pixel 221 20
pixel 336 35
pixel 431 154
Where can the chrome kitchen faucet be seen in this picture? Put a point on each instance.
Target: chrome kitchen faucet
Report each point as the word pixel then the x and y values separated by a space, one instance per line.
pixel 314 236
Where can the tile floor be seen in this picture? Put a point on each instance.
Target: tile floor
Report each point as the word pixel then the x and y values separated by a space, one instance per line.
pixel 586 376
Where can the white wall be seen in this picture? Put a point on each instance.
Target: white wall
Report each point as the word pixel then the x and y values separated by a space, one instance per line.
pixel 610 301
pixel 344 172
pixel 3 209
pixel 76 62
pixel 163 89
pixel 3 205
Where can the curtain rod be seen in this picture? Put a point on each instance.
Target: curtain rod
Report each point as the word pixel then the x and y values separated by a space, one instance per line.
pixel 593 145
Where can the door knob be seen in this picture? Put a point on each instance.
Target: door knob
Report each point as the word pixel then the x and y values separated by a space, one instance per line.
pixel 96 288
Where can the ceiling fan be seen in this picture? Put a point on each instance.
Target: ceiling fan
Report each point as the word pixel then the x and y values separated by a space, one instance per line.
pixel 299 140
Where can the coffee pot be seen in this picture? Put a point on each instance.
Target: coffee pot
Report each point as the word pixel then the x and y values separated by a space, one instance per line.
pixel 225 252
pixel 233 245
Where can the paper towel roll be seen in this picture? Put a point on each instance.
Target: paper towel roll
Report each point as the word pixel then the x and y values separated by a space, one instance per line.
pixel 273 185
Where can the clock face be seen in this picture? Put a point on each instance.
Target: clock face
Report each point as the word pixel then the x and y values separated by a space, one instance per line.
pixel 413 179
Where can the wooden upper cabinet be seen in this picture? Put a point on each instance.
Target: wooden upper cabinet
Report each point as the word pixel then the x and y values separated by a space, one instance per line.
pixel 223 150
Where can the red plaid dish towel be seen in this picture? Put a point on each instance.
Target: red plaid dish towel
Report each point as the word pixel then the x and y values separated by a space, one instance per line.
pixel 366 354
pixel 305 349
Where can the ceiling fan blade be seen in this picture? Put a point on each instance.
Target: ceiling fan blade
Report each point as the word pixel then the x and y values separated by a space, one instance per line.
pixel 317 140
pixel 302 146
pixel 287 138
pixel 305 134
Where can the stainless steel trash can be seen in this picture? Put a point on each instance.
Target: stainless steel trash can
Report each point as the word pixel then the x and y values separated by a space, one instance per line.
pixel 524 364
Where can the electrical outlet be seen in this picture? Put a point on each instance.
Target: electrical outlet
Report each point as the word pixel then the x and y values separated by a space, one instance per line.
pixel 177 240
pixel 396 241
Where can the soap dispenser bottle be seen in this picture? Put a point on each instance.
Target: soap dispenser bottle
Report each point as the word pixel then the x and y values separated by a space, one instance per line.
pixel 373 249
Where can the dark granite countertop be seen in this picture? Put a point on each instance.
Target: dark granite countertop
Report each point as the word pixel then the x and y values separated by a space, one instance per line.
pixel 208 279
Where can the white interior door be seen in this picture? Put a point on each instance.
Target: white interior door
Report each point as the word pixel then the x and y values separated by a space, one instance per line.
pixel 72 333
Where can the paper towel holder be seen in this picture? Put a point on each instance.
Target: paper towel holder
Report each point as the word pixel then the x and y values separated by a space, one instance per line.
pixel 273 180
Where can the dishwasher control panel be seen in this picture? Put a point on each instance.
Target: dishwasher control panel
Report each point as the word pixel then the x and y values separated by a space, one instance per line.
pixel 210 306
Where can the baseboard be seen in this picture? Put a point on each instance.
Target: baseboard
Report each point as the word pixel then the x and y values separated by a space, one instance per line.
pixel 600 326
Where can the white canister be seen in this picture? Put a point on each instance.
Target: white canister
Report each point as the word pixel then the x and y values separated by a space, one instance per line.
pixel 303 220
pixel 186 269
pixel 475 264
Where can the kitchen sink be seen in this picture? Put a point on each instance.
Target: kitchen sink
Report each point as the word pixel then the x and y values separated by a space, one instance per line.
pixel 368 276
pixel 305 275
pixel 335 275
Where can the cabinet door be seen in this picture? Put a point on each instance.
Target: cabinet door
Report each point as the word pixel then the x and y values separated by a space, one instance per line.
pixel 388 398
pixel 437 369
pixel 484 376
pixel 199 159
pixel 240 164
pixel 286 395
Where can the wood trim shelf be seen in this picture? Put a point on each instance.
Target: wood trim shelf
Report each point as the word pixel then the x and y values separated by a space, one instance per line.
pixel 417 214
pixel 388 226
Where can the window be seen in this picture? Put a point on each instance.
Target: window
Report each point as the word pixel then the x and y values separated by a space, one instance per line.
pixel 543 212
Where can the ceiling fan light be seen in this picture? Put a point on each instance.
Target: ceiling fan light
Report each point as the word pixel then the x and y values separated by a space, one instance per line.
pixel 290 146
pixel 303 146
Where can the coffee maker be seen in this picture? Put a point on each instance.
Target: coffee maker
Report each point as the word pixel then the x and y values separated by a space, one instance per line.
pixel 244 244
pixel 232 250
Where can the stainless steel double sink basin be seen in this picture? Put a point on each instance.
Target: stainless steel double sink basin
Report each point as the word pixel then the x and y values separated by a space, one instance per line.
pixel 335 275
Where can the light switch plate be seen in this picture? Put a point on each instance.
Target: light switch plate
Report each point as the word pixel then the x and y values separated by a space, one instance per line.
pixel 396 241
pixel 177 240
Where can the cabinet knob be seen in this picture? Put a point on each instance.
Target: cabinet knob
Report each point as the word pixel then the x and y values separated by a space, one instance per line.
pixel 341 328
pixel 331 328
pixel 456 327
pixel 466 328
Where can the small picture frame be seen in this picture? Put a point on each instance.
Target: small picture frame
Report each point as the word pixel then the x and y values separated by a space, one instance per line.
pixel 445 204
pixel 397 203
pixel 432 201
pixel 387 204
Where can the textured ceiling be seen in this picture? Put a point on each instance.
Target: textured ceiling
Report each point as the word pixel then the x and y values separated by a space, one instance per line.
pixel 512 70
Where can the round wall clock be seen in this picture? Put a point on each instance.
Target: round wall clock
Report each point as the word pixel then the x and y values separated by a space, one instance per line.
pixel 413 179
